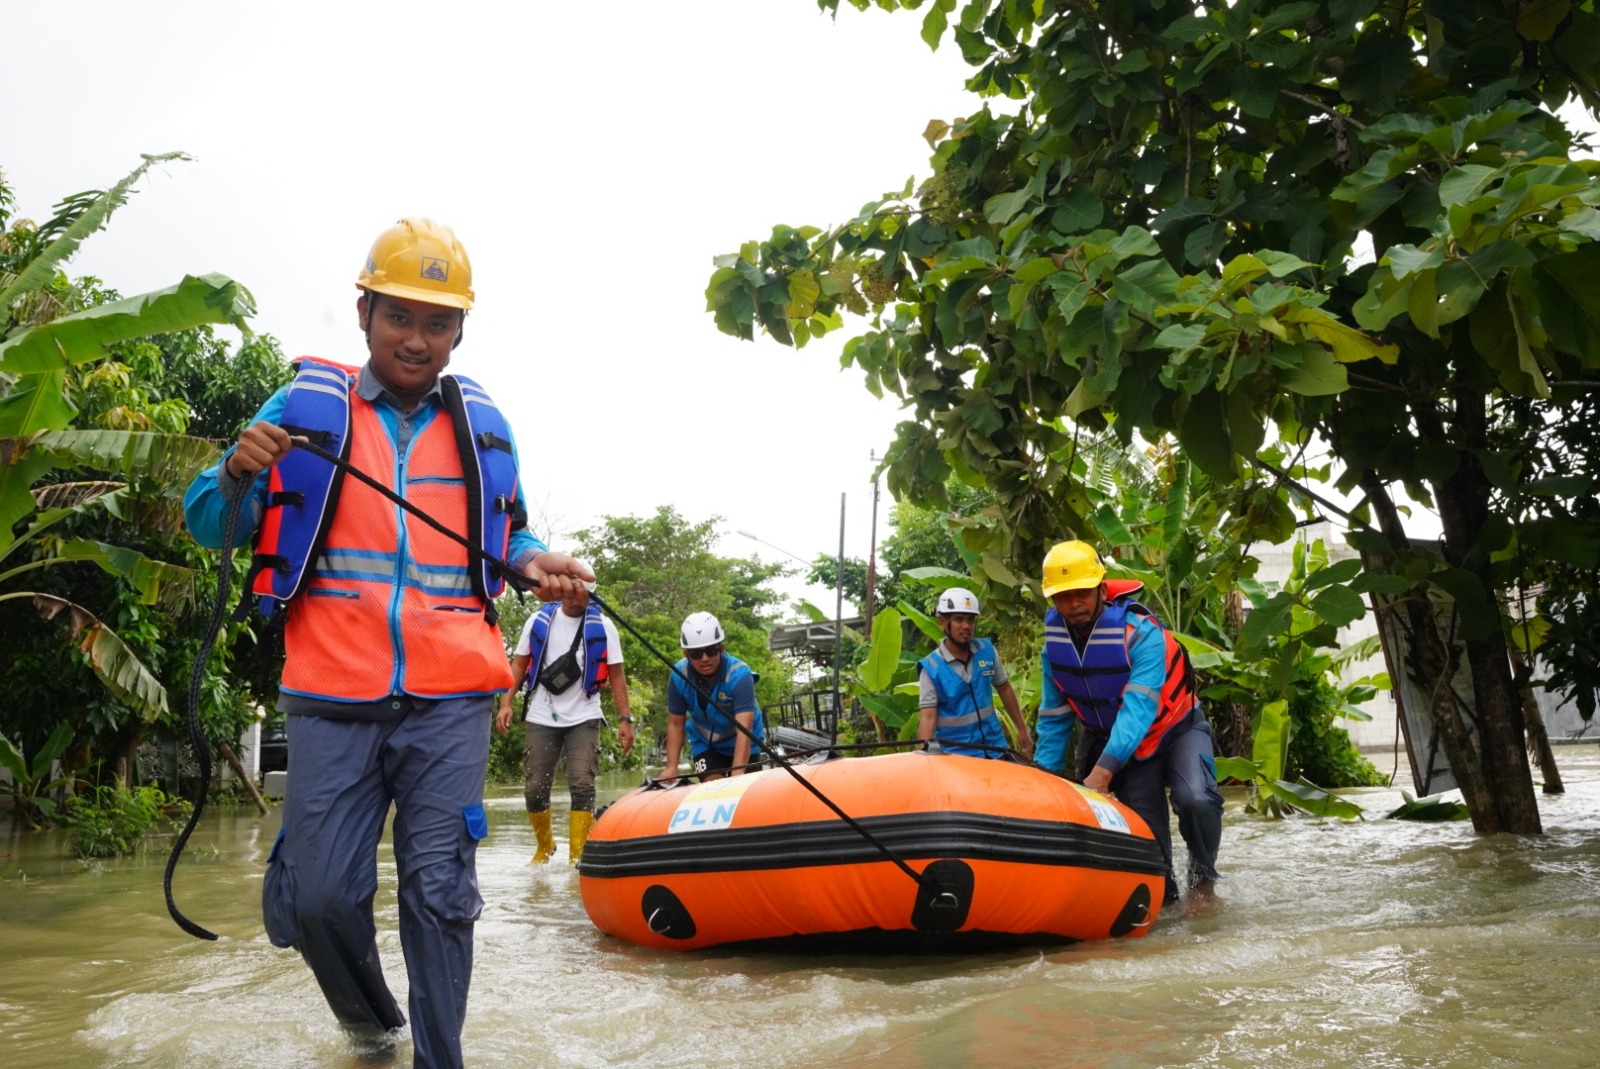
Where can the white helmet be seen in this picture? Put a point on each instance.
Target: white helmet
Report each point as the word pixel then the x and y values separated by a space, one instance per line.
pixel 959 599
pixel 700 629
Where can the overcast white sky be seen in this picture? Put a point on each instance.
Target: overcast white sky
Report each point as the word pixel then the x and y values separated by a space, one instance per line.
pixel 593 159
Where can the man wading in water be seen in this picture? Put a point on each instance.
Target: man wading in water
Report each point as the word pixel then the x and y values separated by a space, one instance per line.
pixel 394 656
pixel 1109 665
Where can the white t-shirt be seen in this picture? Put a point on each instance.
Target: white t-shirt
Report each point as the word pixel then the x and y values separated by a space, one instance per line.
pixel 571 706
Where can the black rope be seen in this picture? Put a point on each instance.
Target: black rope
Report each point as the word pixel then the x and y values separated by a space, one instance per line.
pixel 197 735
pixel 522 583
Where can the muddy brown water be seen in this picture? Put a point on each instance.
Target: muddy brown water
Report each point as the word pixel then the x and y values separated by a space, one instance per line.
pixel 1331 944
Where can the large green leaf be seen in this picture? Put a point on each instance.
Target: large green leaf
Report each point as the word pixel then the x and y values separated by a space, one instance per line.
pixel 42 269
pixel 1266 622
pixel 1427 809
pixel 85 335
pixel 172 459
pixel 1240 768
pixel 53 504
pixel 117 667
pixel 1313 799
pixel 883 656
pixel 36 403
pixel 20 467
pixel 895 711
pixel 1270 748
pixel 144 574
pixel 12 761
pixel 1204 435
pixel 925 623
pixel 1316 374
pixel 939 578
pixel 53 747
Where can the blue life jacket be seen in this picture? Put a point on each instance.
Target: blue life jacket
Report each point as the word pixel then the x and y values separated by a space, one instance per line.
pixel 303 489
pixel 1093 683
pixel 595 669
pixel 966 707
pixel 710 703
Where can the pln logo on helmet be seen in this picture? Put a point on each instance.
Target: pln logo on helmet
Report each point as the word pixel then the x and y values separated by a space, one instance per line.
pixel 436 269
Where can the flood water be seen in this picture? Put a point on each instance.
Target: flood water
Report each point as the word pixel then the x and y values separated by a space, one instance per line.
pixel 1332 944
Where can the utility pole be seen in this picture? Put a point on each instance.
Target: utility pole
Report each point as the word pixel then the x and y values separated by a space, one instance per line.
pixel 838 619
pixel 872 554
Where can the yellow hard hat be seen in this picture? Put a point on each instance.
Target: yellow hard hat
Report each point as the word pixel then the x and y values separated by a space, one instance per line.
pixel 420 260
pixel 1071 566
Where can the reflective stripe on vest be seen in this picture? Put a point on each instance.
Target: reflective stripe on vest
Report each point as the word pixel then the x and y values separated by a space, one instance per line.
pixel 1094 683
pixel 707 718
pixel 303 490
pixel 595 669
pixel 966 707
pixel 389 604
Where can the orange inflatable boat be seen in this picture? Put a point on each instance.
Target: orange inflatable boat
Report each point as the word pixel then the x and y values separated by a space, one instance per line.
pixel 1003 853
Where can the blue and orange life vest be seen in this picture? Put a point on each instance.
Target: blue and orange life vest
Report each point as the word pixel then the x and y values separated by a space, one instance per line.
pixel 381 603
pixel 966 707
pixel 1093 683
pixel 595 669
pixel 710 703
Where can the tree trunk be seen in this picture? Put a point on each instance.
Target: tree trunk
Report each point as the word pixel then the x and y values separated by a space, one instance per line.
pixel 1231 720
pixel 1432 666
pixel 1533 720
pixel 1462 497
pixel 244 777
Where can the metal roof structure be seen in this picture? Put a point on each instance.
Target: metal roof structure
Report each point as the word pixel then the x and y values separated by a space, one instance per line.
pixel 811 637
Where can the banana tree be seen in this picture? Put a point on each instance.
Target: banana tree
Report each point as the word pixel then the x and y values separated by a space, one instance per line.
pixel 32 781
pixel 39 446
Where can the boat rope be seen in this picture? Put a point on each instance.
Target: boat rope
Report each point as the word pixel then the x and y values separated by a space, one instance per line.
pixel 522 583
pixel 197 735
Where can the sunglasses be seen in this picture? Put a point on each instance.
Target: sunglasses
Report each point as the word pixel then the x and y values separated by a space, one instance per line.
pixel 703 653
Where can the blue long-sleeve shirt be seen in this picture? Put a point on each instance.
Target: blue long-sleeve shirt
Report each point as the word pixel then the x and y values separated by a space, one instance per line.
pixel 1147 658
pixel 207 498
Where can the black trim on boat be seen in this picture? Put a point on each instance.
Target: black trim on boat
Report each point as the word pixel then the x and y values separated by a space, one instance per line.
pixel 970 836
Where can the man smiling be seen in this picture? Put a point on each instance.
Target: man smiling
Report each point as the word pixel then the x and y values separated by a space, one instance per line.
pixel 393 652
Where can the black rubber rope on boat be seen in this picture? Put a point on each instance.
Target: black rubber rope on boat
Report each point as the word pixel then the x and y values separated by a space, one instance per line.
pixel 522 583
pixel 197 735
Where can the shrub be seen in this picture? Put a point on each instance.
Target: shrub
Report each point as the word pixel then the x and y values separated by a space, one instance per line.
pixel 114 820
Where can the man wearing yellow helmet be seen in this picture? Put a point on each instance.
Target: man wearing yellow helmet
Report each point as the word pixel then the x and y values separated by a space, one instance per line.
pixel 394 655
pixel 1110 667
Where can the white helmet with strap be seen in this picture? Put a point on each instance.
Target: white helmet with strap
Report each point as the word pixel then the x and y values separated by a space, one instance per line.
pixel 958 599
pixel 700 629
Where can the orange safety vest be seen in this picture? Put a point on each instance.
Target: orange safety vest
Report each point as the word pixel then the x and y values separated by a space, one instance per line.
pixel 390 607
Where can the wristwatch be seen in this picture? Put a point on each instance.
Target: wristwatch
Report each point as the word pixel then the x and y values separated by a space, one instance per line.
pixel 624 719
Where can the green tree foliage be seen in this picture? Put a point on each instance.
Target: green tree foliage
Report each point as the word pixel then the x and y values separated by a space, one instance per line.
pixel 654 570
pixel 1158 232
pixel 93 461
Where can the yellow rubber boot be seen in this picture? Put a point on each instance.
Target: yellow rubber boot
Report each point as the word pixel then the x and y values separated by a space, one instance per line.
pixel 545 837
pixel 578 827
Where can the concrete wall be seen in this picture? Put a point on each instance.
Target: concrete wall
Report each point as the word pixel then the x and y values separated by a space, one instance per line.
pixel 1379 736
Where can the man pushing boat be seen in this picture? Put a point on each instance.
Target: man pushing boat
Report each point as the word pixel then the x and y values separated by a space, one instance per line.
pixel 1111 666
